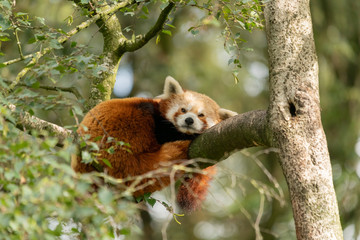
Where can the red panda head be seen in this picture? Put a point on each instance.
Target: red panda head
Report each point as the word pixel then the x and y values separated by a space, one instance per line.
pixel 190 112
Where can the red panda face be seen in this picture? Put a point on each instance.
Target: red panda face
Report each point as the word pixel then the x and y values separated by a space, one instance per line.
pixel 190 112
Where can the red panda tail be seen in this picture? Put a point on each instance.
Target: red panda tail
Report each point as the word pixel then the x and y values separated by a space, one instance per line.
pixel 192 192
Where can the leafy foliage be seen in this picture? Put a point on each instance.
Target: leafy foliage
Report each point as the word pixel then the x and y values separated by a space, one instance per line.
pixel 234 17
pixel 44 75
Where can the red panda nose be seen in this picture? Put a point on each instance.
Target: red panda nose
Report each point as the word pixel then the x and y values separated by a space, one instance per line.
pixel 189 121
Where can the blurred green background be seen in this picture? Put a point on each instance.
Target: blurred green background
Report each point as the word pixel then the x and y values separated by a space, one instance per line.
pixel 242 187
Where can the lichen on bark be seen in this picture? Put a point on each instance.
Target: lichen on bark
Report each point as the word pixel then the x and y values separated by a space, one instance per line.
pixel 295 121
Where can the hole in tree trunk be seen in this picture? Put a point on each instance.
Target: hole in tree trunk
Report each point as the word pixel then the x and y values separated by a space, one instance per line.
pixel 292 109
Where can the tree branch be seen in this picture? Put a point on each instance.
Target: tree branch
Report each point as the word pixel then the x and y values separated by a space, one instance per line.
pixel 36 56
pixel 242 131
pixel 141 40
pixel 72 89
pixel 27 122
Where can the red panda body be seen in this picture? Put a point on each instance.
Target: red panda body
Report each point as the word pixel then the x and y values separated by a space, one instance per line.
pixel 158 131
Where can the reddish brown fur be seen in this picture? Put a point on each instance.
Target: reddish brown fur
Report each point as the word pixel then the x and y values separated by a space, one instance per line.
pixel 193 190
pixel 125 122
pixel 133 121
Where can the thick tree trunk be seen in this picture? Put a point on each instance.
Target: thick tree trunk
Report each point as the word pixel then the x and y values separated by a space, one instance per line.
pixel 292 123
pixel 102 85
pixel 295 121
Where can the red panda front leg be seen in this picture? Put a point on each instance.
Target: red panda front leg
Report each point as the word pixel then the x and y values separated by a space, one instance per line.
pixel 167 153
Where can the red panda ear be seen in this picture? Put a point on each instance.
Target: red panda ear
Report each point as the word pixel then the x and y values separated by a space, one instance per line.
pixel 224 113
pixel 171 86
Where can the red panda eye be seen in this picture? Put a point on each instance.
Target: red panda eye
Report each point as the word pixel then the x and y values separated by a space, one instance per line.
pixel 201 115
pixel 183 110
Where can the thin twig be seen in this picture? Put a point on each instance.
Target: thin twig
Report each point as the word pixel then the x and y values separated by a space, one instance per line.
pixel 72 90
pixel 141 40
pixel 18 43
pixel 26 121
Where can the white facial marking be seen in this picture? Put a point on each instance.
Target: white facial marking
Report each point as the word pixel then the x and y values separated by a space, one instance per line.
pixel 195 127
pixel 210 122
pixel 171 113
pixel 184 113
pixel 193 100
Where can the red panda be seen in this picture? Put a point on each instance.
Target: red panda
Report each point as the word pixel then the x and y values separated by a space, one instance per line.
pixel 158 131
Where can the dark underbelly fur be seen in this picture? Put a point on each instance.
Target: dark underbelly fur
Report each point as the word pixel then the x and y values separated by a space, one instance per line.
pixel 165 131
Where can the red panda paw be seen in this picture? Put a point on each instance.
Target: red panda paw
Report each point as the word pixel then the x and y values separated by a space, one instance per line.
pixel 177 150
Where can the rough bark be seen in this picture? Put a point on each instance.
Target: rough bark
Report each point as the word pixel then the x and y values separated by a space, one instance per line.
pixel 242 131
pixel 102 85
pixel 295 121
pixel 115 45
pixel 292 123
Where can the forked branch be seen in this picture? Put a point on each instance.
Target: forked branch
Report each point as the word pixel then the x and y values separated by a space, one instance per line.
pixel 141 40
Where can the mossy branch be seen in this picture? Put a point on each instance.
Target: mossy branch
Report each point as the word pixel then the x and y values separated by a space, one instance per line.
pixel 245 130
pixel 141 40
pixel 27 122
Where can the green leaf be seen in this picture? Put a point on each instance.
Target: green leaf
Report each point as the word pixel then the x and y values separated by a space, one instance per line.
pixel 86 157
pixel 55 44
pixel 105 196
pixel 77 110
pixel 70 20
pixel 49 143
pixel 194 32
pixel 125 231
pixel 147 198
pixel 32 40
pixel 21 14
pixel 98 138
pixel 94 146
pixel 83 212
pixel 41 20
pixel 4 39
pixel 145 10
pixel 139 198
pixel 107 162
pixel 169 25
pixel 19 146
pixel 158 38
pixel 226 12
pixel 128 29
pixel 167 32
pixel 40 37
pixel 6 4
pixel 60 68
pixel 151 201
pixel 111 150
